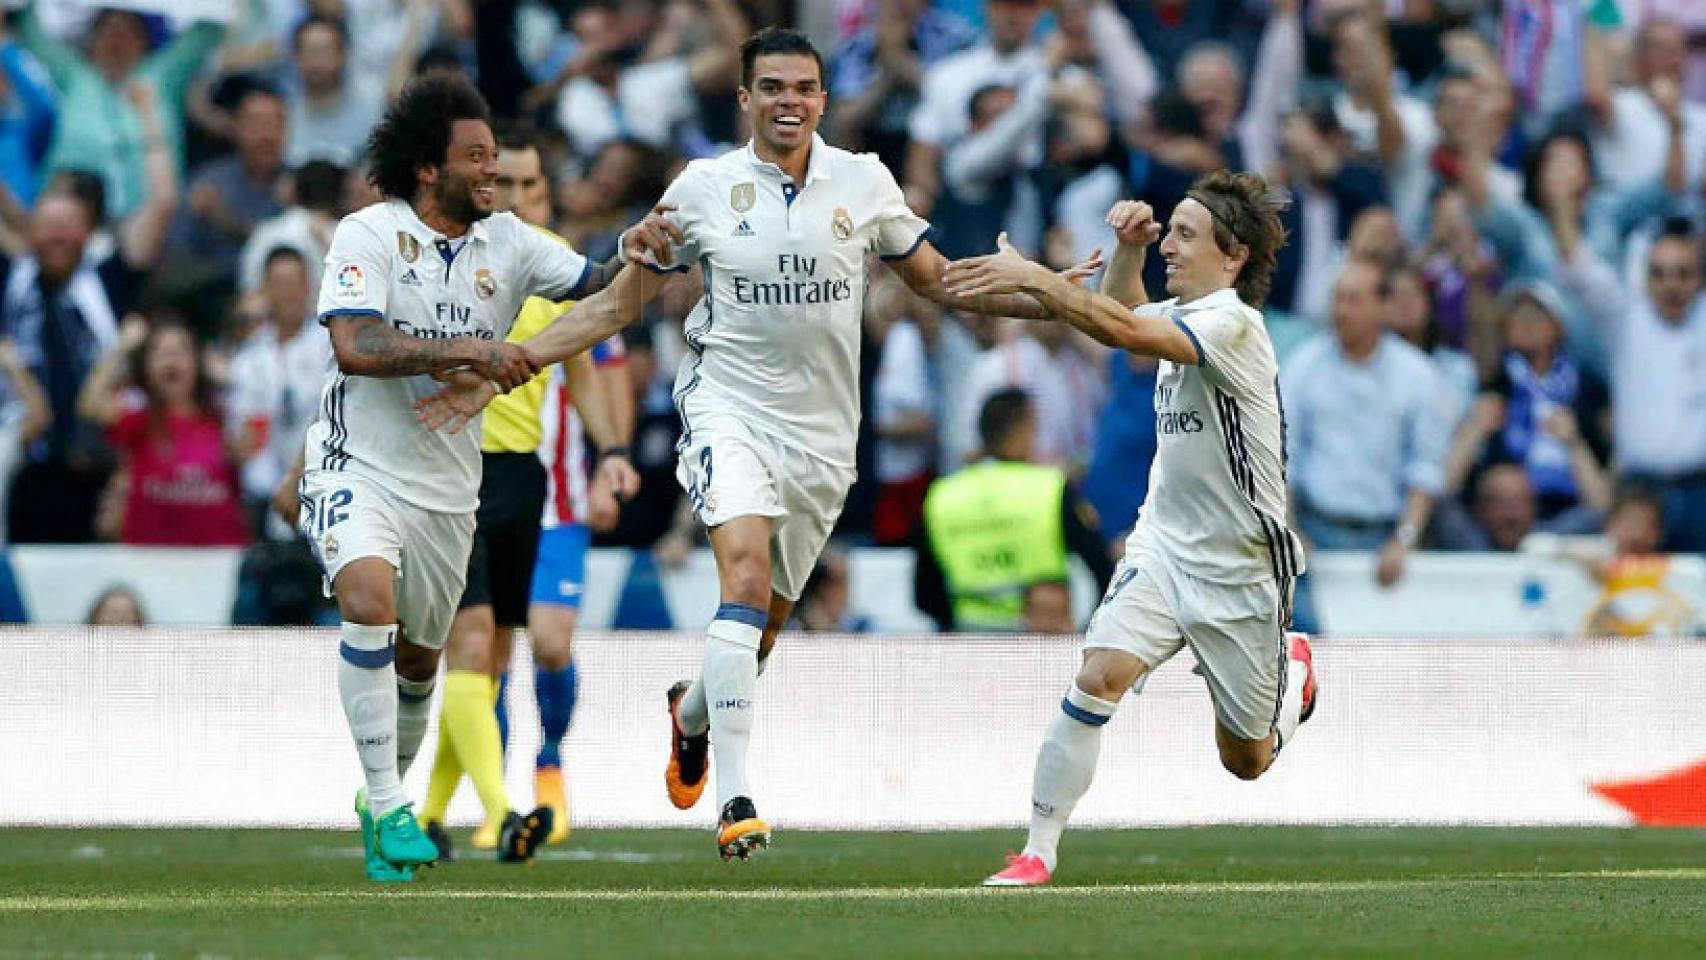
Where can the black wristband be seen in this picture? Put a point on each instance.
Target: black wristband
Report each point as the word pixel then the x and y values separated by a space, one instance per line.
pixel 613 452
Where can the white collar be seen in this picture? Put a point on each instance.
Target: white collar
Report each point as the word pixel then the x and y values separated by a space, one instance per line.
pixel 417 226
pixel 817 165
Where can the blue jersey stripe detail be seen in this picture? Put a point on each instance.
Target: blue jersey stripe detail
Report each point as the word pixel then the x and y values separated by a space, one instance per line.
pixel 350 312
pixel 743 613
pixel 929 233
pixel 367 659
pixel 1082 715
pixel 1202 355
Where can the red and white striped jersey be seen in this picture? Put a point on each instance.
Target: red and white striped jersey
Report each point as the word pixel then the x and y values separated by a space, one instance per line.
pixel 563 443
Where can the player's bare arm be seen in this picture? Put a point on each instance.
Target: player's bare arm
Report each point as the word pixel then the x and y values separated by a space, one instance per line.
pixel 366 345
pixel 925 270
pixel 1136 228
pixel 593 402
pixel 1102 317
pixel 656 236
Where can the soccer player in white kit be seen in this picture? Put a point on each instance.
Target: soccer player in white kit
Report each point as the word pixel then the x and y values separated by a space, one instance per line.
pixel 423 284
pixel 1211 561
pixel 769 393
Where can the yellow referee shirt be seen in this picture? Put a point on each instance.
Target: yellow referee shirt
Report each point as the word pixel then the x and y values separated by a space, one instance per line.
pixel 512 420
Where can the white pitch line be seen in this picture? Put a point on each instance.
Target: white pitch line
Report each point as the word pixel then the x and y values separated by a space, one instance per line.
pixel 298 898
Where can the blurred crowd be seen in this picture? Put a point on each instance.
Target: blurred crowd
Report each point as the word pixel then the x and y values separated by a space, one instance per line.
pixel 1489 315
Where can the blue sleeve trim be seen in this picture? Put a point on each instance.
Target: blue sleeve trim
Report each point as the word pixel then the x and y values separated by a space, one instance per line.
pixel 578 291
pixel 929 233
pixel 350 312
pixel 1202 355
pixel 673 268
pixel 1082 715
pixel 743 613
pixel 367 659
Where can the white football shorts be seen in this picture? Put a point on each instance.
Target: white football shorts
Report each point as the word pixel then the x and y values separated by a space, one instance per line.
pixel 730 470
pixel 346 517
pixel 1152 608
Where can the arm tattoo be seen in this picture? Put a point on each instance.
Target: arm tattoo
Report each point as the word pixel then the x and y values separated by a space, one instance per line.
pixel 382 351
pixel 600 276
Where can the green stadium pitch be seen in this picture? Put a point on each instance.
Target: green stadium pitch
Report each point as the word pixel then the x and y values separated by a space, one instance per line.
pixel 1220 891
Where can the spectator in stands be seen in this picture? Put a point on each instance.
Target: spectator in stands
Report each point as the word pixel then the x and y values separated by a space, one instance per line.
pixel 1505 510
pixel 1462 269
pixel 182 487
pixel 1007 59
pixel 317 192
pixel 1330 190
pixel 1656 342
pixel 101 128
pixel 638 77
pixel 331 109
pixel 1635 599
pixel 1410 315
pixel 1364 435
pixel 1169 30
pixel 61 307
pixel 999 527
pixel 903 407
pixel 1544 411
pixel 1118 479
pixel 875 76
pixel 228 197
pixel 985 184
pixel 276 379
pixel 1631 145
pixel 1211 76
pixel 27 116
pixel 1395 128
pixel 1092 37
pixel 117 606
pixel 625 177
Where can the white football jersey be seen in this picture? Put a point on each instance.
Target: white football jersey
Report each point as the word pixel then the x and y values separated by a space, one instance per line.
pixel 385 262
pixel 775 339
pixel 1217 487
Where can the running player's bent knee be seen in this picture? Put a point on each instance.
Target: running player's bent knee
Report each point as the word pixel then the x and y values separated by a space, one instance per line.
pixel 1107 675
pixel 1246 763
pixel 415 662
pixel 748 581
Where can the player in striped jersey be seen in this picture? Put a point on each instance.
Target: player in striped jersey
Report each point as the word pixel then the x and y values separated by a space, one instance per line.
pixel 1211 561
pixel 534 470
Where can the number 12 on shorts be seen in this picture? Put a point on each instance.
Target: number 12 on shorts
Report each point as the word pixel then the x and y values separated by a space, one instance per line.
pixel 329 511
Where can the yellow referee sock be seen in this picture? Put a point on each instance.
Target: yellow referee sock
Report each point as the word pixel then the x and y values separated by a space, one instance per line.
pixel 473 730
pixel 446 775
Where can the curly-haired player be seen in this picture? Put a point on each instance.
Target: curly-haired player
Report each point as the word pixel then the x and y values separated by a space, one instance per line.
pixel 425 284
pixel 1211 561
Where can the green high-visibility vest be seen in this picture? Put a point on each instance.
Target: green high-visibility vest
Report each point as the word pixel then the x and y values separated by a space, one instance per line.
pixel 995 527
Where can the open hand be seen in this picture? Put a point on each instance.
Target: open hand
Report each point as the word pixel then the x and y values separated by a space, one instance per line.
pixel 1084 269
pixel 464 395
pixel 1006 271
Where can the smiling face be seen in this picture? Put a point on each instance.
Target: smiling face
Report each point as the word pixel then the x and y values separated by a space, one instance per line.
pixel 464 186
pixel 784 101
pixel 169 366
pixel 1196 266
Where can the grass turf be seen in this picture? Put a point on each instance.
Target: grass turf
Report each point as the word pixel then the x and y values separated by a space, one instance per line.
pixel 1199 892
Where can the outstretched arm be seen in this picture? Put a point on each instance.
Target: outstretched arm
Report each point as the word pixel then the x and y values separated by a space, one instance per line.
pixel 925 271
pixel 1103 318
pixel 598 317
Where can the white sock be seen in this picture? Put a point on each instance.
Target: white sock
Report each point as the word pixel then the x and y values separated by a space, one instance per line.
pixel 414 708
pixel 1065 764
pixel 695 714
pixel 1291 704
pixel 730 679
pixel 367 684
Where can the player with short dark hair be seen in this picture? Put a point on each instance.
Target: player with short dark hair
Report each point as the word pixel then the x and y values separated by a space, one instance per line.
pixel 1211 561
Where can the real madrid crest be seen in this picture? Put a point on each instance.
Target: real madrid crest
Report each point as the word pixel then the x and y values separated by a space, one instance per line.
pixel 408 246
pixel 742 196
pixel 842 225
pixel 485 284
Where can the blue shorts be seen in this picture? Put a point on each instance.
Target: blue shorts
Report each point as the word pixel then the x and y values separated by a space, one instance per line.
pixel 559 573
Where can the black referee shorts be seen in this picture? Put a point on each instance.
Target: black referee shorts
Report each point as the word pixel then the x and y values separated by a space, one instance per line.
pixel 506 536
